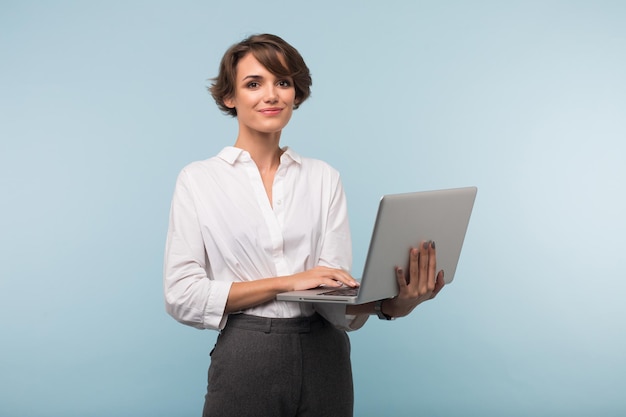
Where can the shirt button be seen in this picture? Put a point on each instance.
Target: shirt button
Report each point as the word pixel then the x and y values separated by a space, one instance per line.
pixel 279 202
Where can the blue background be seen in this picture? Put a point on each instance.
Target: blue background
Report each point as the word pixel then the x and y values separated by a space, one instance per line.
pixel 102 104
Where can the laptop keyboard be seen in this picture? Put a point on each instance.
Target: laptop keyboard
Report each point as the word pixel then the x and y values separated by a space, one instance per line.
pixel 349 292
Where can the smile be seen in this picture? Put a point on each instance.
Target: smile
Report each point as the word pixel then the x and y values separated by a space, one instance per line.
pixel 271 111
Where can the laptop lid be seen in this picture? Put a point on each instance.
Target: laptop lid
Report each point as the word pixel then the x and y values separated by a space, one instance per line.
pixel 404 220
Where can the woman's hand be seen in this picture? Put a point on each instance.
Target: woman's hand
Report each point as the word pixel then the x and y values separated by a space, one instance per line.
pixel 422 282
pixel 248 294
pixel 321 276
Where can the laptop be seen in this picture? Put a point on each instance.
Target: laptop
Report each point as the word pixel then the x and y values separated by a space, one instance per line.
pixel 402 222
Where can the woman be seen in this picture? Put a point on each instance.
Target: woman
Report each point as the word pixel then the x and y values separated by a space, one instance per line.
pixel 257 220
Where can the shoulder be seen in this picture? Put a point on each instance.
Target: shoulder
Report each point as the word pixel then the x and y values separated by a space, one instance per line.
pixel 197 167
pixel 213 166
pixel 318 174
pixel 313 165
pixel 320 166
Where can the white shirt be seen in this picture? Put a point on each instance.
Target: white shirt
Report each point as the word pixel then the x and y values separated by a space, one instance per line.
pixel 223 230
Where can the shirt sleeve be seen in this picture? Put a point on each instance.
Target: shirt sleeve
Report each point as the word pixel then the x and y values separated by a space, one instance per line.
pixel 337 253
pixel 191 297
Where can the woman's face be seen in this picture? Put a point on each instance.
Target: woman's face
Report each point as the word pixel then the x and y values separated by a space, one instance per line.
pixel 264 102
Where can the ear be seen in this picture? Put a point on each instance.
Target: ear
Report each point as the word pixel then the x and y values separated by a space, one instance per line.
pixel 229 102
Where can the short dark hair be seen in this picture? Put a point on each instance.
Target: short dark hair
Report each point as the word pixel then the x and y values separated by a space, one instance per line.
pixel 268 50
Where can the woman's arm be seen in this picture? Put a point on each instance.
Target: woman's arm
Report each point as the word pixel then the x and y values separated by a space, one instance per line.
pixel 190 297
pixel 248 294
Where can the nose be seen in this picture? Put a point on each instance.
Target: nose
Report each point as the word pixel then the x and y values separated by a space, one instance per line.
pixel 271 95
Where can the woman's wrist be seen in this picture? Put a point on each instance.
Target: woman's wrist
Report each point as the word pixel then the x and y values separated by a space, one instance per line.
pixel 385 308
pixel 381 312
pixel 371 308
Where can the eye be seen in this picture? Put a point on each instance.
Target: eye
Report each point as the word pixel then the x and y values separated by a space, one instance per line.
pixel 252 84
pixel 284 83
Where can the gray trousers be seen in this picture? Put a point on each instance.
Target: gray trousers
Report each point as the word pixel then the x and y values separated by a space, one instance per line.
pixel 280 367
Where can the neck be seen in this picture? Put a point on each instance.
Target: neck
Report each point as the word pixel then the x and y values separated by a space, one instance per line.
pixel 264 149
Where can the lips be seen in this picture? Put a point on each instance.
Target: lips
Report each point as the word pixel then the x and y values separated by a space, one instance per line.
pixel 271 111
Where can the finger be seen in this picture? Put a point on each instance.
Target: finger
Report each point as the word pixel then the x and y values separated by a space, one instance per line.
pixel 432 266
pixel 422 278
pixel 329 282
pixel 439 285
pixel 413 268
pixel 345 278
pixel 401 278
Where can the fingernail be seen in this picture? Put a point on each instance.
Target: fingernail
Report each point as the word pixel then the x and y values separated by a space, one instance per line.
pixel 432 244
pixel 425 245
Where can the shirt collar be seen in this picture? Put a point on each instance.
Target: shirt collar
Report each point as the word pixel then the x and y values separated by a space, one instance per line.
pixel 231 154
pixel 290 153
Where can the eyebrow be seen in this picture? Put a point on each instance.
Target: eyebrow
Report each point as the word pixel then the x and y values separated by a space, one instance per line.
pixel 252 77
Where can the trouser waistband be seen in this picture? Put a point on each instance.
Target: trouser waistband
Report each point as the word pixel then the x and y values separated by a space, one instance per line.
pixel 273 325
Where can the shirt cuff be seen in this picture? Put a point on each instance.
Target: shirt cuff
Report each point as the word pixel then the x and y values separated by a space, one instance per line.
pixel 214 317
